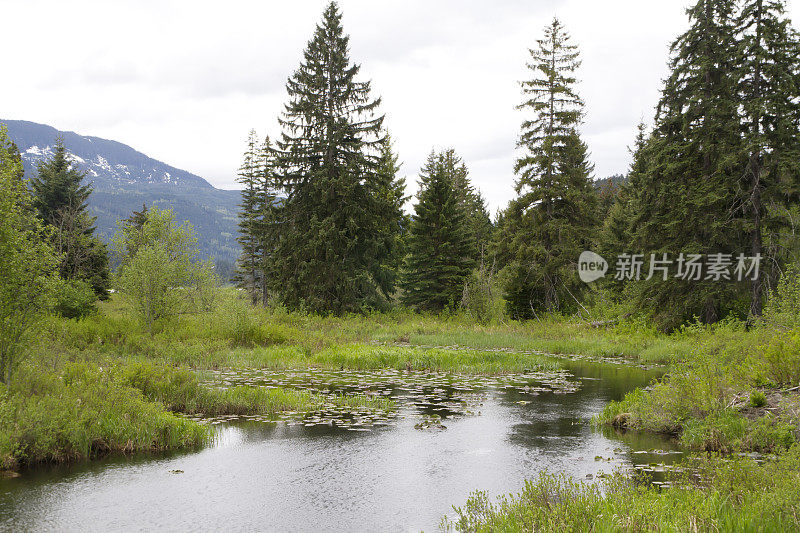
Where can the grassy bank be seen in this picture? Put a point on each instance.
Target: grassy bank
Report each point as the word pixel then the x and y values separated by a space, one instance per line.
pixel 734 495
pixel 736 390
pixel 727 396
pixel 85 410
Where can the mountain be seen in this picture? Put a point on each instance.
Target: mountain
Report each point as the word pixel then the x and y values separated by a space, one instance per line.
pixel 124 179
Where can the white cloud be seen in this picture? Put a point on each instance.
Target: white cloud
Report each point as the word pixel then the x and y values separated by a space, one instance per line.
pixel 184 81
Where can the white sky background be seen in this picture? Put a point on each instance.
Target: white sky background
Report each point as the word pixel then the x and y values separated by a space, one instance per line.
pixel 185 81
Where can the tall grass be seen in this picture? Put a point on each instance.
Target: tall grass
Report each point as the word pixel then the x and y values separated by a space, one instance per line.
pixel 738 495
pixel 180 390
pixel 706 399
pixel 80 413
pixel 367 357
pixel 235 333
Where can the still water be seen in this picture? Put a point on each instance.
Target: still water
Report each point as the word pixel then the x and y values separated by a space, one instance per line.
pixel 357 471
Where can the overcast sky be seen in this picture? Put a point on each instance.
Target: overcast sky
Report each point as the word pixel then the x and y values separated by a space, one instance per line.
pixel 184 81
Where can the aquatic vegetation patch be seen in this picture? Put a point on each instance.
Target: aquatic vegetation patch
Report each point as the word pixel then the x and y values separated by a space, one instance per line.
pixel 358 399
pixel 362 356
pixel 727 397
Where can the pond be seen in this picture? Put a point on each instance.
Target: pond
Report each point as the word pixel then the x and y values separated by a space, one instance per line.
pixel 357 470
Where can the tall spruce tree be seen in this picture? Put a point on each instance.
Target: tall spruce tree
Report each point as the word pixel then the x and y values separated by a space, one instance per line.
pixel 58 186
pixel 328 256
pixel 390 223
pixel 553 217
pixel 267 228
pixel 768 76
pixel 249 268
pixel 688 193
pixel 61 200
pixel 441 245
pixel 137 218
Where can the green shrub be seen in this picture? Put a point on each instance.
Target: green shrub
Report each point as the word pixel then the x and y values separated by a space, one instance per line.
pixel 780 359
pixel 482 299
pixel 783 306
pixel 758 399
pixel 245 326
pixel 74 299
pixel 736 495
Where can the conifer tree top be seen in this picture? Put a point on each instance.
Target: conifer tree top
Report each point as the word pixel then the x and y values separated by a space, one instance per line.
pixel 330 120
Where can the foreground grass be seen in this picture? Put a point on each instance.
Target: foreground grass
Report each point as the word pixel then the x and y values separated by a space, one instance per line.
pixel 82 412
pixel 736 495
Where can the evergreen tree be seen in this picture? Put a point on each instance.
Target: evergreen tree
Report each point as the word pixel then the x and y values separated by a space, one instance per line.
pixel 480 225
pixel 616 233
pixel 768 75
pixel 328 256
pixel 58 186
pixel 266 226
pixel 687 194
pixel 608 191
pixel 441 247
pixel 137 218
pixel 249 268
pixel 553 217
pixel 61 199
pixel 390 222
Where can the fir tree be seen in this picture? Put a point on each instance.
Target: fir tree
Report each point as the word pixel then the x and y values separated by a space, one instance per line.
pixel 249 268
pixel 61 201
pixel 58 186
pixel 480 225
pixel 687 194
pixel 266 226
pixel 137 218
pixel 768 75
pixel 553 217
pixel 390 223
pixel 441 247
pixel 616 233
pixel 328 256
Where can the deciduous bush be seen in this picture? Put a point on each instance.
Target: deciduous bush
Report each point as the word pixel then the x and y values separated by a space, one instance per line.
pixel 160 269
pixel 74 299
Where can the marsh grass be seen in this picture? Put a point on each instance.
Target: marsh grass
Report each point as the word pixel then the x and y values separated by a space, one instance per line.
pixel 236 334
pixel 86 409
pixel 708 399
pixel 83 412
pixel 737 495
pixel 369 357
pixel 180 390
pixel 709 365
